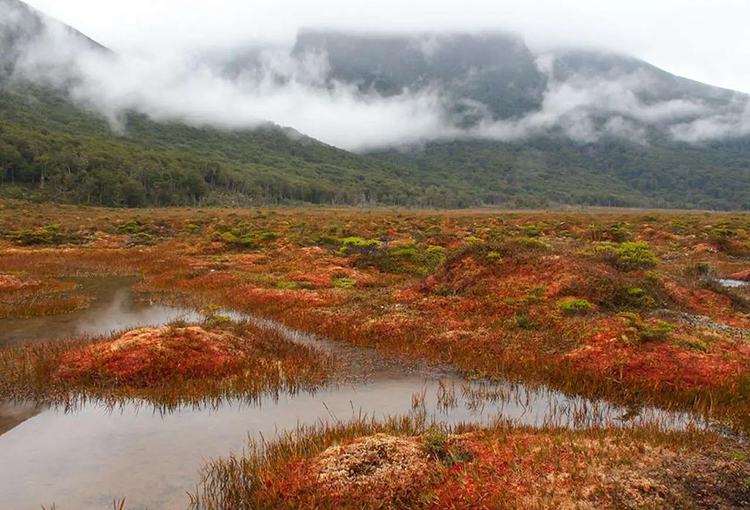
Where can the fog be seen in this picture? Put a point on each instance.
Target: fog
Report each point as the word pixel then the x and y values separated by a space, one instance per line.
pixel 177 83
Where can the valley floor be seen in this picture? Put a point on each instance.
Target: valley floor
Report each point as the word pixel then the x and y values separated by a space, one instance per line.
pixel 641 308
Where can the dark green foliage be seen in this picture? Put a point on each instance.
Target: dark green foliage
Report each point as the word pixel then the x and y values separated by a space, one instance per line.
pixel 523 321
pixel 53 151
pixel 404 258
pixel 549 171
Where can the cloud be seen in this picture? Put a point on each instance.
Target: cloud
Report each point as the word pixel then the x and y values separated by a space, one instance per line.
pixel 296 91
pixel 731 124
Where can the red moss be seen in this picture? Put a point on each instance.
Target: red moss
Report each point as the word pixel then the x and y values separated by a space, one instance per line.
pixel 148 356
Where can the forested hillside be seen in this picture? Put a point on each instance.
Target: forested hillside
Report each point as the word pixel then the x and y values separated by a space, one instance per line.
pixel 51 150
pixel 515 139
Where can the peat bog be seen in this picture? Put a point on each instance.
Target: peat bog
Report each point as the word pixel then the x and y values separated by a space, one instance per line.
pixel 496 352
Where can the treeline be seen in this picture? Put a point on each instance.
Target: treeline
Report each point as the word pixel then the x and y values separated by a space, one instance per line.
pixel 47 165
pixel 610 172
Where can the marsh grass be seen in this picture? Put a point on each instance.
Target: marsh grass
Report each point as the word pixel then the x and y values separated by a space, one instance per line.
pixel 27 297
pixel 260 362
pixel 498 466
pixel 459 308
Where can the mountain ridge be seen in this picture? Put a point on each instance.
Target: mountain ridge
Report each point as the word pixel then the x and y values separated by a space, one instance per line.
pixel 492 83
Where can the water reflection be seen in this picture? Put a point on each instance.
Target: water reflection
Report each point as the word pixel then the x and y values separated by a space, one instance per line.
pixel 86 455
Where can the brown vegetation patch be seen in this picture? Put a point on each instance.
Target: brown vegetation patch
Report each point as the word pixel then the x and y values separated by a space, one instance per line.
pixel 379 466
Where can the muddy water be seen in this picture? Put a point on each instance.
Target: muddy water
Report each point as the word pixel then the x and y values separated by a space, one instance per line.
pixel 84 458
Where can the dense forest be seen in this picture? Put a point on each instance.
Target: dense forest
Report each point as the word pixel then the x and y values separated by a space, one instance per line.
pixel 51 150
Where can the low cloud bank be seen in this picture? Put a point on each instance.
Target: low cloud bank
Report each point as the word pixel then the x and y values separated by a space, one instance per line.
pixel 295 91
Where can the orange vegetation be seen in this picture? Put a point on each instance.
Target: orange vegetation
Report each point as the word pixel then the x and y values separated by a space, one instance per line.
pixel 149 356
pixel 496 468
pixel 489 292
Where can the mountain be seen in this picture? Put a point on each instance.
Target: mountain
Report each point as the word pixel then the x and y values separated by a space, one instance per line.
pixel 53 149
pixel 494 69
pixel 521 129
pixel 569 126
pixel 22 27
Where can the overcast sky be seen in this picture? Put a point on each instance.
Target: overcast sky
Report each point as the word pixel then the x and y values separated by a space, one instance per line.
pixel 706 41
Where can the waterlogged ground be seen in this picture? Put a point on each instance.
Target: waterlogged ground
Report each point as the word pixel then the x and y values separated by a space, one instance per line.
pixel 85 456
pixel 112 307
pixel 640 308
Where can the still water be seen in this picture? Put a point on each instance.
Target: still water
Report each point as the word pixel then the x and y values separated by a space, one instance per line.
pixel 83 458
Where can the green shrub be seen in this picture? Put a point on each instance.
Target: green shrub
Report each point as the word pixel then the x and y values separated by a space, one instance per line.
pixel 433 442
pixel 700 270
pixel 574 306
pixel 130 227
pixel 287 285
pixel 618 233
pixel 523 321
pixel 269 236
pixel 237 241
pixel 327 240
pixel 534 295
pixel 693 343
pixel 494 256
pixel 50 235
pixel 141 239
pixel 353 245
pixel 636 297
pixel 344 282
pixel 647 332
pixel 531 230
pixel 409 253
pixel 628 256
pixel 530 244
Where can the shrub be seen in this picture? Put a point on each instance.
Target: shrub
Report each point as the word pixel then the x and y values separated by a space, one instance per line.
pixel 693 343
pixel 352 245
pixel 50 235
pixel 130 227
pixel 235 241
pixel 523 321
pixel 628 256
pixel 141 239
pixel 647 332
pixel 287 285
pixel 405 258
pixel 529 244
pixel 700 270
pixel 494 256
pixel 636 297
pixel 433 442
pixel 344 282
pixel 618 233
pixel 574 306
pixel 531 230
pixel 535 295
